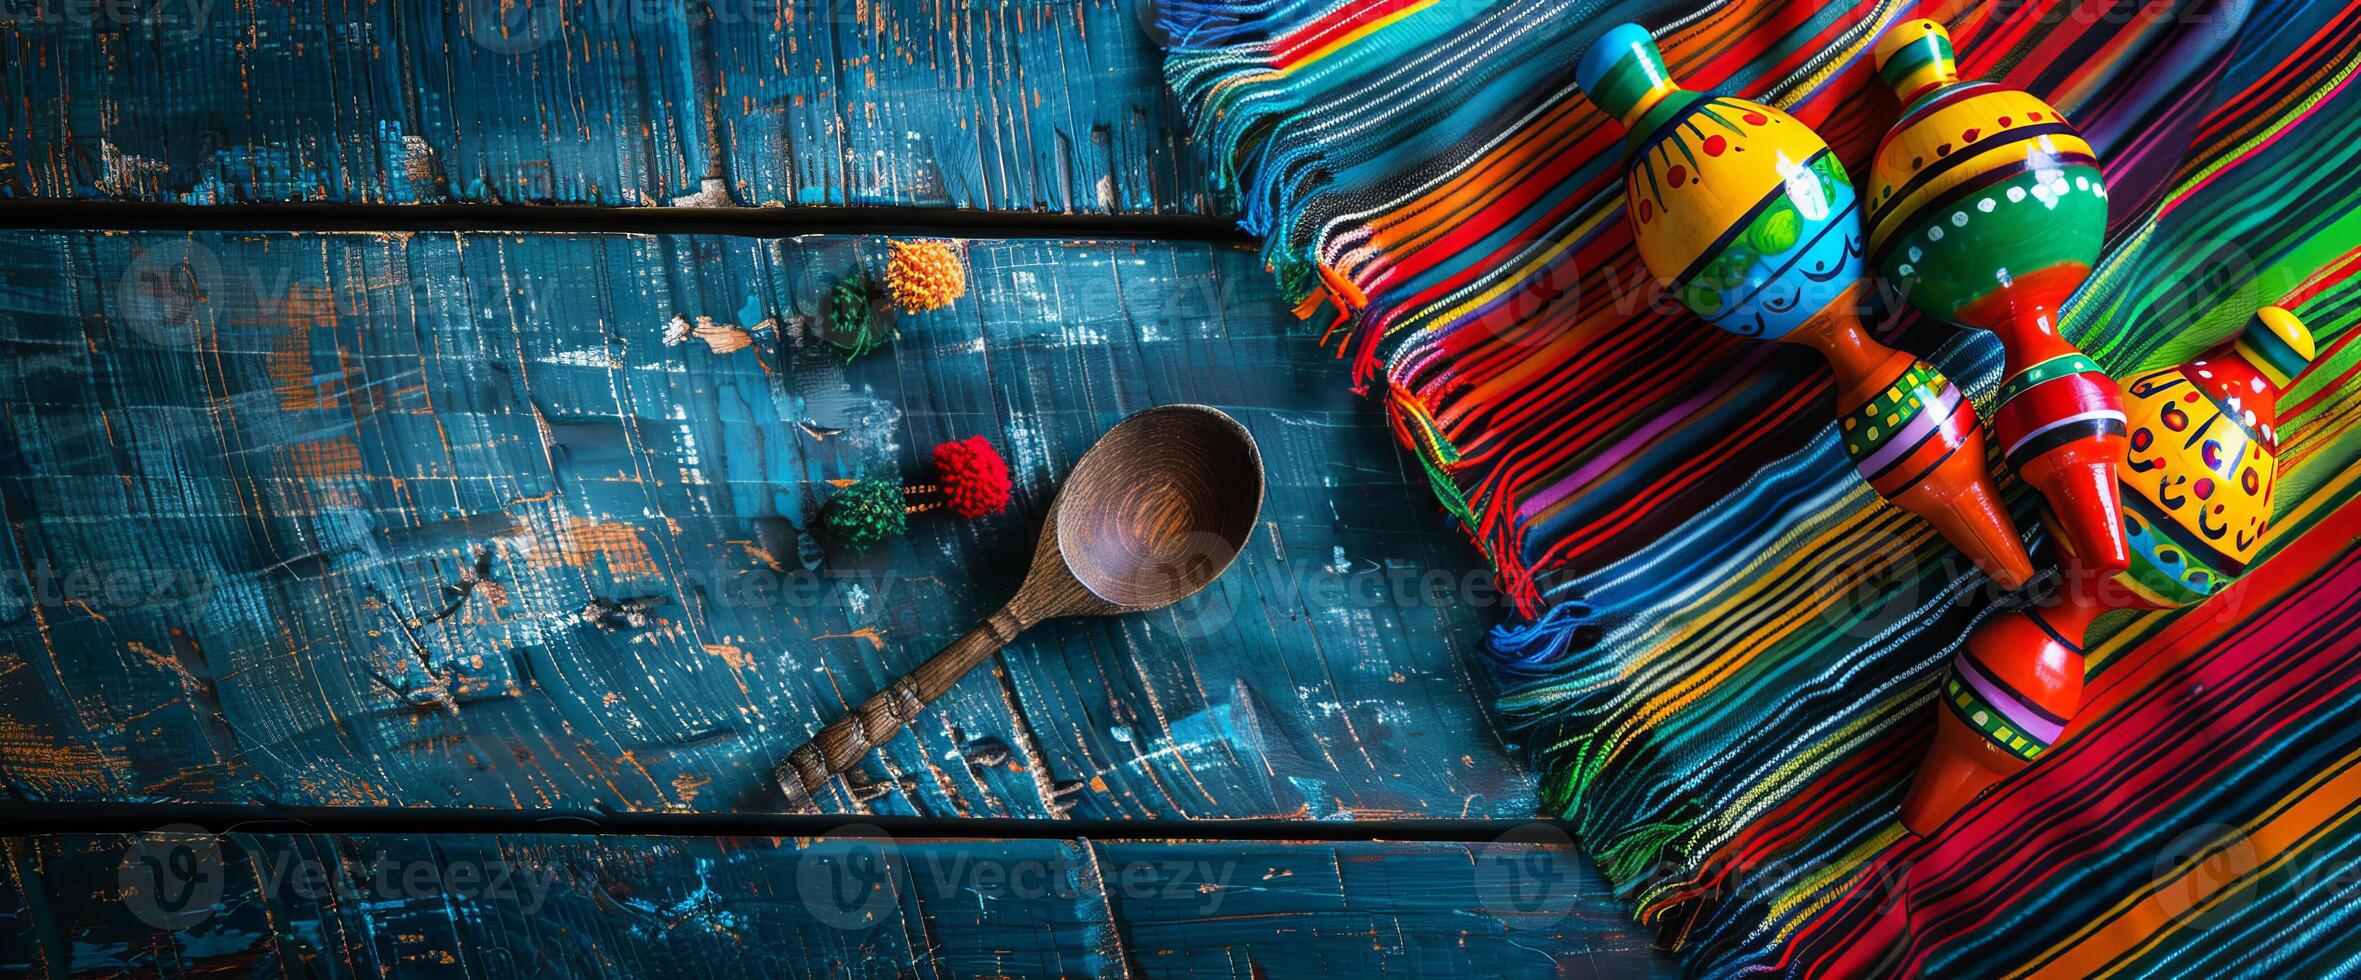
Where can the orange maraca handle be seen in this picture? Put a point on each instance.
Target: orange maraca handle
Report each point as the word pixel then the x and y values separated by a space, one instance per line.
pixel 1915 438
pixel 2008 696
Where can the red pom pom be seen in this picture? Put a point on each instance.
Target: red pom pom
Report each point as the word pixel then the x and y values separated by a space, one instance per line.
pixel 973 476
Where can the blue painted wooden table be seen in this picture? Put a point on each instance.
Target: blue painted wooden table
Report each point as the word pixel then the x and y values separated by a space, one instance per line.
pixel 509 526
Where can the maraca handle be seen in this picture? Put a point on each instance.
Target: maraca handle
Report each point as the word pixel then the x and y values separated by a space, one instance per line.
pixel 874 721
pixel 1864 367
pixel 1914 437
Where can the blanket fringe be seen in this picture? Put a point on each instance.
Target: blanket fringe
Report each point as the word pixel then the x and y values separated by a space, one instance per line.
pixel 1543 645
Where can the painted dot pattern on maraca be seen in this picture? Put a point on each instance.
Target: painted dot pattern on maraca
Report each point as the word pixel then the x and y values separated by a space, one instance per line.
pixel 2203 460
pixel 1965 201
pixel 1978 191
pixel 1916 424
pixel 2011 720
pixel 1987 209
pixel 1793 255
pixel 2012 689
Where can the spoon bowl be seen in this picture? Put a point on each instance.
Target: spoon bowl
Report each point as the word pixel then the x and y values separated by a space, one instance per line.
pixel 1157 509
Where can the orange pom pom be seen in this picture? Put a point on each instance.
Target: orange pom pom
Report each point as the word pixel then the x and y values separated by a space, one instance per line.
pixel 923 276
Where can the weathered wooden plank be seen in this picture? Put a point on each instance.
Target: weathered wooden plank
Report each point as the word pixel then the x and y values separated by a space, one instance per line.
pixel 238 466
pixel 1044 105
pixel 1523 906
pixel 547 905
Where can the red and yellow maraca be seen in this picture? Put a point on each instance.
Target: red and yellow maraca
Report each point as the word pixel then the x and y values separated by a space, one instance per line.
pixel 2197 492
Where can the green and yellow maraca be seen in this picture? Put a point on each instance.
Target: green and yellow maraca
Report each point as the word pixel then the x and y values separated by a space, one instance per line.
pixel 1745 215
pixel 1987 209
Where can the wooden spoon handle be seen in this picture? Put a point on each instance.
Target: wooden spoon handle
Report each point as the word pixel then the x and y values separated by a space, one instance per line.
pixel 843 743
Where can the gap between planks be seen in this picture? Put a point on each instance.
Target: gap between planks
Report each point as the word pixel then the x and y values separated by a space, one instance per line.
pixel 29 819
pixel 521 218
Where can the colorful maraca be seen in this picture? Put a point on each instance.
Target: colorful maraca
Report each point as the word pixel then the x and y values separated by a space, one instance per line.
pixel 1745 214
pixel 1987 209
pixel 2197 497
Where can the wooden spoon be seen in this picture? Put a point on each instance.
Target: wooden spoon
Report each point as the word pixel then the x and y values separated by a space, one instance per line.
pixel 1154 512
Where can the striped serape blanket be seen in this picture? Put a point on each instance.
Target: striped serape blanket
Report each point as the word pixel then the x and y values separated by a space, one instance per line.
pixel 1725 646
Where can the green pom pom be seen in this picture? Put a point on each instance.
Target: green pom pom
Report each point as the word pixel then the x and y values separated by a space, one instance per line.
pixel 1777 229
pixel 863 514
pixel 854 325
